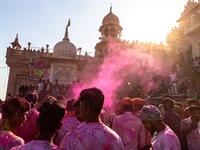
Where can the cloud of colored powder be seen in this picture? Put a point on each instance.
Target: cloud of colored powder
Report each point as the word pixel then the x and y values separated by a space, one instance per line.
pixel 120 68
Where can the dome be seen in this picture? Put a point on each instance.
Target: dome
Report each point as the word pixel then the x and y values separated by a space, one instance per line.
pixel 110 18
pixel 64 49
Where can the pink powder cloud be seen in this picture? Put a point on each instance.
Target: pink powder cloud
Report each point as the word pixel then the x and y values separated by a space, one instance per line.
pixel 121 63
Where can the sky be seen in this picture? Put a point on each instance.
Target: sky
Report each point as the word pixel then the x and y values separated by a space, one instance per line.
pixel 43 22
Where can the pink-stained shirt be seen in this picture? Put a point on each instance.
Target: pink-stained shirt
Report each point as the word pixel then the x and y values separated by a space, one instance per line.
pixel 68 124
pixel 147 132
pixel 92 136
pixel 165 140
pixel 193 137
pixel 37 145
pixel 29 128
pixel 9 140
pixel 130 129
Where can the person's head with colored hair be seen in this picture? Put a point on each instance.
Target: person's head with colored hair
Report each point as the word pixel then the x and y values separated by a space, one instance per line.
pixel 91 102
pixel 50 117
pixel 138 103
pixel 14 112
pixel 168 104
pixel 151 117
pixel 195 112
pixel 126 104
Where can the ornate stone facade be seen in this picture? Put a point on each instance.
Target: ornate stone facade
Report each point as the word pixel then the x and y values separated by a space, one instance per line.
pixel 190 25
pixel 20 62
pixel 110 29
pixel 66 63
pixel 184 42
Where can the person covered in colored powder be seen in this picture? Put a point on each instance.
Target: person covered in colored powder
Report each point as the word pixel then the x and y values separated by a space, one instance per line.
pixel 170 117
pixel 189 127
pixel 163 137
pixel 129 127
pixel 49 121
pixel 29 129
pixel 69 122
pixel 91 134
pixel 13 115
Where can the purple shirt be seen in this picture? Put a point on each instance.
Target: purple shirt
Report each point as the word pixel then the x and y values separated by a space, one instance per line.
pixel 165 140
pixel 130 129
pixel 68 124
pixel 92 136
pixel 9 140
pixel 37 145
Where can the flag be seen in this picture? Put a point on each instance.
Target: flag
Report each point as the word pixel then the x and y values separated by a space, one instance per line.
pixel 69 23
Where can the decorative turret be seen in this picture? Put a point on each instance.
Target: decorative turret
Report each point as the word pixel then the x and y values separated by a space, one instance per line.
pixel 15 44
pixel 110 30
pixel 110 26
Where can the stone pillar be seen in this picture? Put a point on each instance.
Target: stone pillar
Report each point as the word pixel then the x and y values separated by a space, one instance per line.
pixel 11 81
pixel 51 76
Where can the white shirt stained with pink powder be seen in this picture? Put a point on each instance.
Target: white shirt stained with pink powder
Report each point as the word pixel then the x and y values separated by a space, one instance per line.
pixel 130 129
pixel 166 140
pixel 68 124
pixel 92 136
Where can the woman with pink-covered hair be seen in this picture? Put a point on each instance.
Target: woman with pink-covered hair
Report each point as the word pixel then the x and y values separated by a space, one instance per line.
pixel 13 115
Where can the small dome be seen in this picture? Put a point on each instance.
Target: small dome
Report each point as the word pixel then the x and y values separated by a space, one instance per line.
pixel 64 49
pixel 110 18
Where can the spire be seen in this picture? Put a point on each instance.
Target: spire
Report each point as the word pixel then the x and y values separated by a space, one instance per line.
pixel 16 44
pixel 111 7
pixel 66 31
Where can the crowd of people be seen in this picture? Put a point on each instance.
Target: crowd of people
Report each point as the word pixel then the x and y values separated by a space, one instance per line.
pixel 44 88
pixel 85 124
